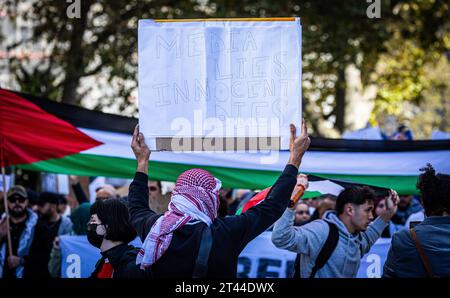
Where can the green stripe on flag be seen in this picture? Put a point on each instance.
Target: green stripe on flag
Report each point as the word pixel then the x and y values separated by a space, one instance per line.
pixel 97 165
pixel 311 194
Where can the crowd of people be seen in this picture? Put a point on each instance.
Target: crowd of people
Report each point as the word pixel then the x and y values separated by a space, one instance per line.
pixel 194 232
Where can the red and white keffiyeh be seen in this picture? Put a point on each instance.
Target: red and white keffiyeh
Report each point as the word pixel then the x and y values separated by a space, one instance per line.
pixel 195 197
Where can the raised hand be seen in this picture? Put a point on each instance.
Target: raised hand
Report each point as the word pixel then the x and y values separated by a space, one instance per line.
pixel 140 150
pixel 299 189
pixel 298 145
pixel 302 180
pixel 391 206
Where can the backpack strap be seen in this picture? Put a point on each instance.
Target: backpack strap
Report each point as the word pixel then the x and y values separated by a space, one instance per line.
pixel 422 254
pixel 201 264
pixel 327 249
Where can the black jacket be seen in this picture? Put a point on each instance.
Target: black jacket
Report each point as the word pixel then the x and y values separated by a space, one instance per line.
pixel 36 263
pixel 230 234
pixel 123 261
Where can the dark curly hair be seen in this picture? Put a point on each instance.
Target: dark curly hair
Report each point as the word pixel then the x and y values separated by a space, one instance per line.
pixel 435 191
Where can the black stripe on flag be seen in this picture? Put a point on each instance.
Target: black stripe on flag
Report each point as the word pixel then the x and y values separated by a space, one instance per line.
pixel 97 120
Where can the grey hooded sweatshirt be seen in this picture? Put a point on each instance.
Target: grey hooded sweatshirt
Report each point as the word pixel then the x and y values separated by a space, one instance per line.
pixel 308 240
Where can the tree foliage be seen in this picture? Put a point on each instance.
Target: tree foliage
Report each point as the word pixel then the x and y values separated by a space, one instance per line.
pixel 392 52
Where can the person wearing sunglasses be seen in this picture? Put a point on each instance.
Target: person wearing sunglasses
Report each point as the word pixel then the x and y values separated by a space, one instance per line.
pixel 49 226
pixel 22 222
pixel 156 200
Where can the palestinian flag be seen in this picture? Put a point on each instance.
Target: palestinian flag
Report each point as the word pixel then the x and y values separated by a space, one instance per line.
pixel 388 164
pixel 28 133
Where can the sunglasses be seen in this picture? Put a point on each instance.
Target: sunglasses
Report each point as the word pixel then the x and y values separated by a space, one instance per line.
pixel 302 212
pixel 17 199
pixel 152 188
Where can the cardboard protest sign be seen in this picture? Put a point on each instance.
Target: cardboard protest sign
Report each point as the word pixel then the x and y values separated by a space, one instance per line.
pixel 219 84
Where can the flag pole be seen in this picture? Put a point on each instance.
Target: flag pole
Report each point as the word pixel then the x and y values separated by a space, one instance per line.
pixel 8 230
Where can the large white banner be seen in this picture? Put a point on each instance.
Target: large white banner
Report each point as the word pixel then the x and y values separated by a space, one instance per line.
pixel 222 79
pixel 259 259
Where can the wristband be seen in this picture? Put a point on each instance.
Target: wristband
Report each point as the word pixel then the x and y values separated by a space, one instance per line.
pixel 297 196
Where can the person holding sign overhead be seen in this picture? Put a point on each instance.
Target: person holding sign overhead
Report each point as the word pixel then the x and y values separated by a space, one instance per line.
pixel 189 240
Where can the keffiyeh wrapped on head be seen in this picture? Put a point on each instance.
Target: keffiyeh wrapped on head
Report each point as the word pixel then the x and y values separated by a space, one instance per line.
pixel 195 197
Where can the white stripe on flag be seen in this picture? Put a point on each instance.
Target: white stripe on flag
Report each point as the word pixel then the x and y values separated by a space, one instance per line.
pixel 351 163
pixel 325 187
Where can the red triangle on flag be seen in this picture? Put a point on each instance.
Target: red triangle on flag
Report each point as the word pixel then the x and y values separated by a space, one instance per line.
pixel 29 134
pixel 258 198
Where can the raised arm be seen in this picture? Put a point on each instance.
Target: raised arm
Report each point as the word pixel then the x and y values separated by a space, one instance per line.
pixel 284 234
pixel 78 190
pixel 373 232
pixel 298 239
pixel 141 216
pixel 260 217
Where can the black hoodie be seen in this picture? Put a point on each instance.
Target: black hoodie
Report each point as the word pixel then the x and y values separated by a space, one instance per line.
pixel 123 260
pixel 230 234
